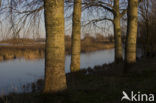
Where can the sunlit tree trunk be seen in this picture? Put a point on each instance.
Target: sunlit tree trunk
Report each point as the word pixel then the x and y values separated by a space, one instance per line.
pixel 117 33
pixel 76 37
pixel 55 79
pixel 132 31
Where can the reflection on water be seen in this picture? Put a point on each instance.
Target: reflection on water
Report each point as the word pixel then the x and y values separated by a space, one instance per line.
pixel 4 44
pixel 15 73
pixel 7 54
pixel 92 59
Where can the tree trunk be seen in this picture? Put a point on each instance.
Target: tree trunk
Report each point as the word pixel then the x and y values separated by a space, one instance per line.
pixel 76 37
pixel 132 31
pixel 117 33
pixel 55 79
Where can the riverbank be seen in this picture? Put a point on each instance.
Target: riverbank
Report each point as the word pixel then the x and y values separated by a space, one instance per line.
pixel 34 50
pixel 101 84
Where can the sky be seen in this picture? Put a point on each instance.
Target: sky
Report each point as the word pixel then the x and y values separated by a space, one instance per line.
pixel 30 29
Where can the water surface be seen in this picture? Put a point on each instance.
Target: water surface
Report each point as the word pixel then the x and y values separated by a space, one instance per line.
pixel 15 73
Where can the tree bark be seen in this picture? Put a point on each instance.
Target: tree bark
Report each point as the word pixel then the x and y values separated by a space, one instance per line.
pixel 76 37
pixel 132 31
pixel 55 79
pixel 117 33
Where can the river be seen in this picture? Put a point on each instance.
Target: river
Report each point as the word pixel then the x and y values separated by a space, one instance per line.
pixel 15 73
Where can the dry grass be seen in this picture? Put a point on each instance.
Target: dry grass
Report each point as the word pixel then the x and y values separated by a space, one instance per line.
pixel 19 41
pixel 90 44
pixel 29 49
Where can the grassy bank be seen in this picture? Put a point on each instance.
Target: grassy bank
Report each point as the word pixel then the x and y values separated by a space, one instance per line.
pixel 101 84
pixel 30 49
pixel 88 44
